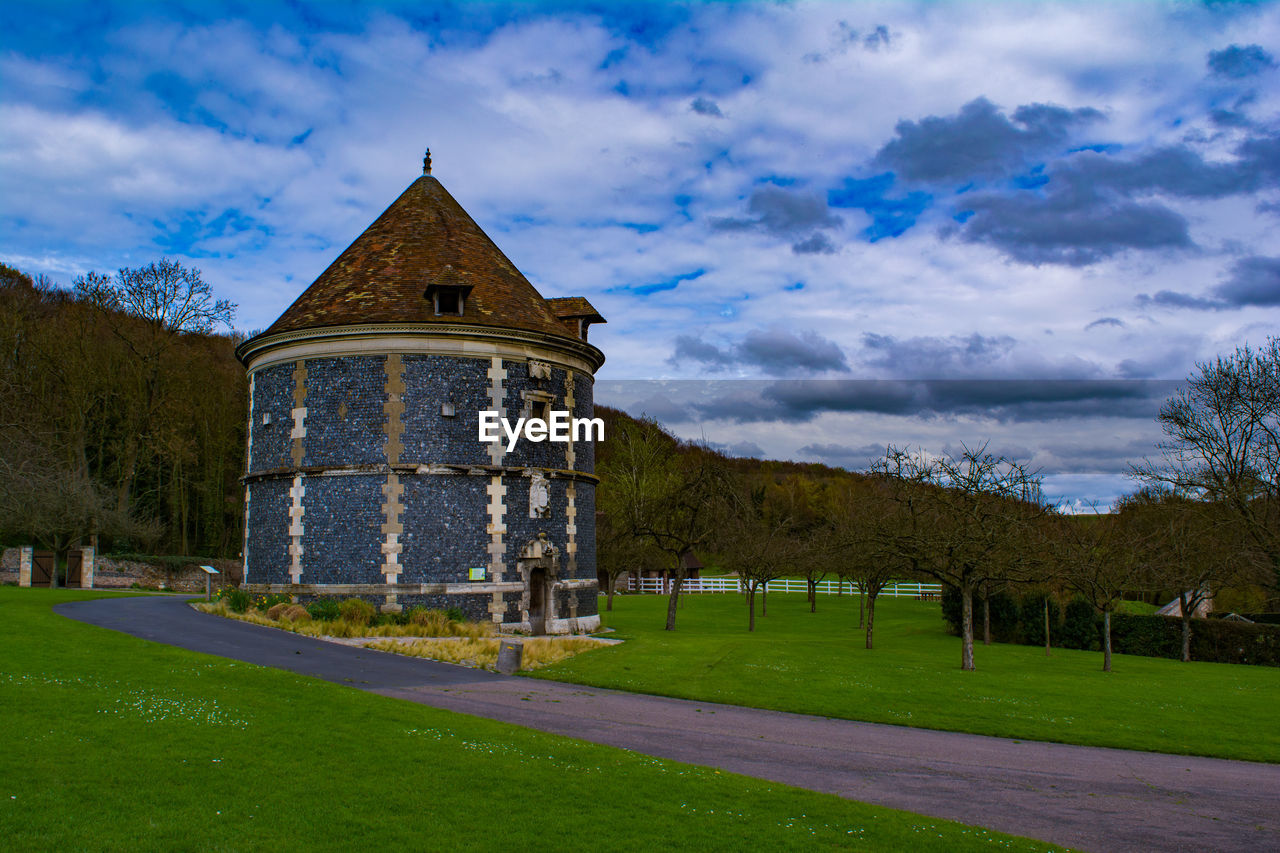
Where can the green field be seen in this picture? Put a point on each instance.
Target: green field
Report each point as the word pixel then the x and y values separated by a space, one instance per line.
pixel 815 663
pixel 113 743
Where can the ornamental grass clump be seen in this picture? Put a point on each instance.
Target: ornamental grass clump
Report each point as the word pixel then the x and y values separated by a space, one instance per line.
pixel 354 617
pixel 483 652
pixel 357 611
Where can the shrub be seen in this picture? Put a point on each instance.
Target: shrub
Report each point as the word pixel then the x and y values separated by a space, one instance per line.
pixel 357 611
pixel 266 602
pixel 324 609
pixel 1080 626
pixel 455 614
pixel 1151 636
pixel 237 600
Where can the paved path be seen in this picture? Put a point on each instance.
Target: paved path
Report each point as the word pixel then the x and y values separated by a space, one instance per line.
pixel 1087 797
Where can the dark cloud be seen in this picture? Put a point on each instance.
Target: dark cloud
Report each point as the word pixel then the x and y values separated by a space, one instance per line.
pixel 1176 299
pixel 979 141
pixel 818 244
pixel 1172 170
pixel 1253 280
pixel 933 356
pixel 1076 209
pixel 798 401
pixel 780 351
pixel 1072 225
pixel 690 348
pixel 1238 61
pixel 706 107
pixel 1002 400
pixel 787 213
pixel 777 352
pixel 1105 321
pixel 782 211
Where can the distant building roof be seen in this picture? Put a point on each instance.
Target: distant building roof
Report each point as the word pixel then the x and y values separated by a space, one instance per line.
pixel 422 242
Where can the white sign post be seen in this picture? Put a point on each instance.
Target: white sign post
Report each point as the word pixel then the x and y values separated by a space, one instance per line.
pixel 209 572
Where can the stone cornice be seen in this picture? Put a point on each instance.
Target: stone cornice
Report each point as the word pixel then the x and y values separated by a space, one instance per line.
pixel 428 338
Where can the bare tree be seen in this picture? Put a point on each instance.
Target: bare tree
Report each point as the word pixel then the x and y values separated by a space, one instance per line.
pixel 662 493
pixel 1188 548
pixel 1100 557
pixel 865 532
pixel 962 519
pixel 618 552
pixel 755 538
pixel 1223 444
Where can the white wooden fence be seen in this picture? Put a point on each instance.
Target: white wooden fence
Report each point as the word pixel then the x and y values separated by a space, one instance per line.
pixel 927 591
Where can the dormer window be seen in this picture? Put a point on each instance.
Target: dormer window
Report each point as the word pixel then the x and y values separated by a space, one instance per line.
pixel 575 314
pixel 448 300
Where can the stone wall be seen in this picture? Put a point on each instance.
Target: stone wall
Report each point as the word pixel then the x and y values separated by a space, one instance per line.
pixel 369 471
pixel 110 573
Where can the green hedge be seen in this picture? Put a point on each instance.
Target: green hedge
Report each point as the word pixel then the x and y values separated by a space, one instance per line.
pixel 1077 626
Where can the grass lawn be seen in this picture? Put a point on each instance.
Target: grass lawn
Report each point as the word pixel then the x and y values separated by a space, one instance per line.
pixel 816 664
pixel 113 743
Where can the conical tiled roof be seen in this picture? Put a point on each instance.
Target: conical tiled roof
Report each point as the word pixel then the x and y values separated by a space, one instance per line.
pixel 424 238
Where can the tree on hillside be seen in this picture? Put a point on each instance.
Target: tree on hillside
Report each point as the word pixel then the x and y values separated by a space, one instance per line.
pixel 864 534
pixel 662 493
pixel 70 400
pixel 755 537
pixel 1223 444
pixel 147 309
pixel 962 519
pixel 1099 557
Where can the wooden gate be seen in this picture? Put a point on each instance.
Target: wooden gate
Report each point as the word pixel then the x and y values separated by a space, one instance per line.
pixel 75 562
pixel 42 566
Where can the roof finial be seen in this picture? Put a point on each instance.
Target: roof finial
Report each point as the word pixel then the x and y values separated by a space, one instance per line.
pixel 426 163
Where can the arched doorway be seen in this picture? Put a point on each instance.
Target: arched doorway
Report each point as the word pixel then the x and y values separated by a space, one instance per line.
pixel 538 601
pixel 539 568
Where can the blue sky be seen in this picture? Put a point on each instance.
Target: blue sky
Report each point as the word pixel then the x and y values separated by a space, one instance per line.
pixel 816 227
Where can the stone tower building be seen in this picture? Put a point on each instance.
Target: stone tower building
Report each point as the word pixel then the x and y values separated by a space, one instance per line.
pixel 366 475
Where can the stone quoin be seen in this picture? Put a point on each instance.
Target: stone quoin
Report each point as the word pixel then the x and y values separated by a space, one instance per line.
pixel 365 472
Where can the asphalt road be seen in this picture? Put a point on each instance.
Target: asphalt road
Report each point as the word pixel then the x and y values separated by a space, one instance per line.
pixel 1086 797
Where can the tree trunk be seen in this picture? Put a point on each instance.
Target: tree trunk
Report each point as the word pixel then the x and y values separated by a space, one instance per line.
pixel 1046 626
pixel 871 619
pixel 608 600
pixel 862 604
pixel 986 620
pixel 1106 641
pixel 813 596
pixel 751 607
pixel 966 629
pixel 764 599
pixel 1186 636
pixel 674 601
